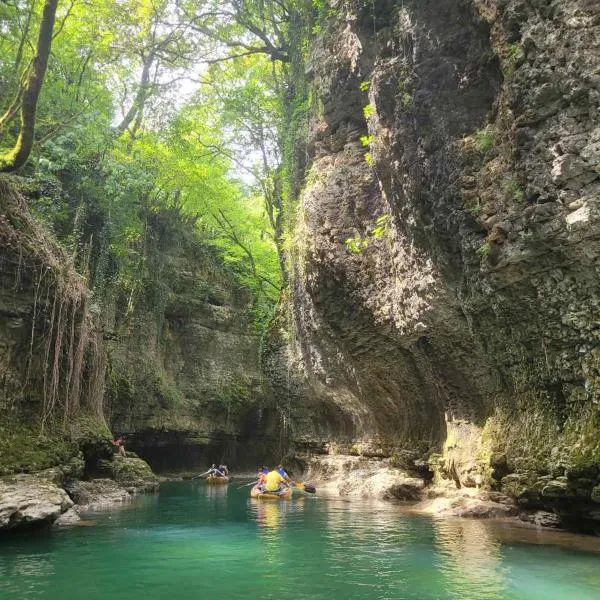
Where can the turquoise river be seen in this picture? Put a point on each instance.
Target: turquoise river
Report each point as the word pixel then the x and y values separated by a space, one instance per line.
pixel 193 541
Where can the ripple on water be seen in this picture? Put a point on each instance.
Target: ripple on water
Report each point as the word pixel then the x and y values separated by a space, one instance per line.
pixel 200 542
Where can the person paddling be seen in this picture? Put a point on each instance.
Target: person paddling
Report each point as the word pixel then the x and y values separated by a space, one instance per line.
pixel 216 471
pixel 273 481
pixel 283 473
pixel 262 474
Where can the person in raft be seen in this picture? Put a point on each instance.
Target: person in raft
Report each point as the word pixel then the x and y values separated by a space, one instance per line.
pixel 118 443
pixel 273 481
pixel 262 475
pixel 224 470
pixel 282 472
pixel 215 471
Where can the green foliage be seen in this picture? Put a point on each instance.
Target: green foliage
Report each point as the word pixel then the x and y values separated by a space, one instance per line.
pixel 514 55
pixel 484 138
pixel 484 250
pixel 369 159
pixel 367 140
pixel 357 244
pixel 212 153
pixel 382 227
pixel 364 86
pixel 368 111
pixel 514 190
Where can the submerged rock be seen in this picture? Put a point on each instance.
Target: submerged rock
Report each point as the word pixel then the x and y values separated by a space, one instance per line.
pixel 28 501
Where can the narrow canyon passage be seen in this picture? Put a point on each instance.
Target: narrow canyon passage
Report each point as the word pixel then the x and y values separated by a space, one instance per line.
pixel 357 242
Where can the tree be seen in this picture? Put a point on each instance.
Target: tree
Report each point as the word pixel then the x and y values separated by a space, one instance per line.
pixel 30 92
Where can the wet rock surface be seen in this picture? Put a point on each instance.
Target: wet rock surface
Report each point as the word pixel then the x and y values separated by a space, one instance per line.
pixel 69 518
pixel 469 503
pixel 362 477
pixel 29 501
pixel 97 493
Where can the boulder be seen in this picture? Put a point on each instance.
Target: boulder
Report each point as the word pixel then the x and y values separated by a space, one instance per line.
pixel 28 501
pixel 557 489
pixel 68 518
pixel 409 489
pixel 596 494
pixel 541 518
pixel 468 503
pixel 133 474
pixel 516 484
pixel 97 492
pixel 585 472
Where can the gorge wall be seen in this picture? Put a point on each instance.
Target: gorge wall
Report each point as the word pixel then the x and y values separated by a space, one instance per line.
pixel 443 303
pixel 171 363
pixel 185 379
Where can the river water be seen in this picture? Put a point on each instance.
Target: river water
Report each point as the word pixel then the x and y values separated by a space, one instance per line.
pixel 200 542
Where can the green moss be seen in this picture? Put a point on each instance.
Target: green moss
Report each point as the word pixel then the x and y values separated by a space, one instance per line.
pixel 530 434
pixel 26 450
pixel 484 250
pixel 484 138
pixel 582 436
pixel 130 472
pixel 523 432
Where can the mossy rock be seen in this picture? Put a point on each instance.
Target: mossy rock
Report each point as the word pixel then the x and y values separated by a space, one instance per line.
pixel 27 450
pixel 93 438
pixel 75 468
pixel 133 474
pixel 516 484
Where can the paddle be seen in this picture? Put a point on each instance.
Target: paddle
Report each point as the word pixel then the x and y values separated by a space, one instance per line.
pixel 201 474
pixel 246 485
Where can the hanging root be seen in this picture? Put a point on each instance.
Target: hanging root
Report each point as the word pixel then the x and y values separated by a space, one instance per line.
pixel 65 352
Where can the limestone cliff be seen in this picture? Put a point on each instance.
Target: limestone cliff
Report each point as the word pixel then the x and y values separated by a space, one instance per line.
pixel 443 300
pixel 185 383
pixel 171 362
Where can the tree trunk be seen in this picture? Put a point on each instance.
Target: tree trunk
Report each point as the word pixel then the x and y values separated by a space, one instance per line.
pixel 18 156
pixel 139 101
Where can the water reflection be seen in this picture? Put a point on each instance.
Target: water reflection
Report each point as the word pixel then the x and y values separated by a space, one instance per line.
pixel 270 514
pixel 214 492
pixel 214 542
pixel 470 559
pixel 367 548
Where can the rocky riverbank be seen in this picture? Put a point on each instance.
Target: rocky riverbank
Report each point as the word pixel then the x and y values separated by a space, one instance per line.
pixel 542 501
pixel 54 496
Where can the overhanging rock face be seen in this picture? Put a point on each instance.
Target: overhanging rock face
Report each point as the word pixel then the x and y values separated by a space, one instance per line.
pixel 444 285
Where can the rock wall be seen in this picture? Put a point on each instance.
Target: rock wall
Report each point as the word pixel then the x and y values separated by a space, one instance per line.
pixel 52 356
pixel 171 362
pixel 444 267
pixel 186 385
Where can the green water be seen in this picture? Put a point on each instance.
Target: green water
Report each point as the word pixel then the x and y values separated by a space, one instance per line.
pixel 197 542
